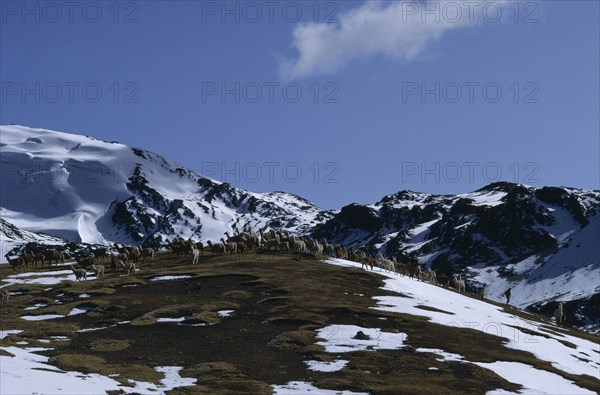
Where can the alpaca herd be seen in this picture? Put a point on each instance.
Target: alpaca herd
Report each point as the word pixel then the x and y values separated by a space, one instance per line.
pixel 272 241
pixel 30 259
pixel 124 258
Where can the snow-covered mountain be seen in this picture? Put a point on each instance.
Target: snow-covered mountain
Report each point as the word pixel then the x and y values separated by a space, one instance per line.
pixel 93 191
pixel 544 242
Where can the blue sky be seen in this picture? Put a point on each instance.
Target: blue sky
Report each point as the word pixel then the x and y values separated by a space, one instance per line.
pixel 379 109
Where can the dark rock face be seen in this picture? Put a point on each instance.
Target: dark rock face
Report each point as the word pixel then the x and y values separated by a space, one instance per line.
pixel 462 231
pixel 150 219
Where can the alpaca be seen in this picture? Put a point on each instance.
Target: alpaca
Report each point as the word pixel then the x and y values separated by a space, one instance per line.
pixel 128 267
pixel 414 272
pixel 114 263
pixel 311 245
pixel 481 291
pixel 385 264
pixel 327 248
pixel 4 296
pixel 39 258
pixel 216 249
pixel 54 255
pixel 251 241
pixel 85 262
pixel 459 283
pixel 196 254
pixel 417 272
pixel 443 280
pixel 179 247
pixel 431 277
pixel 148 253
pixel 272 244
pixel 284 246
pixel 239 238
pixel 298 245
pixel 132 249
pixel 80 274
pixel 99 270
pixel 367 263
pixel 230 248
pixel 100 253
pixel 275 235
pixel 241 247
pixel 401 268
pixel 340 252
pixel 15 263
pixel 559 314
pixel 135 255
pixel 27 258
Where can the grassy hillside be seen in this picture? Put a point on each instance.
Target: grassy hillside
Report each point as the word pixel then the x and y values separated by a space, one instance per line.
pixel 244 323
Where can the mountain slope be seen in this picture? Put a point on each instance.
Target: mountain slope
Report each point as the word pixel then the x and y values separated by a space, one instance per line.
pixel 94 191
pixel 543 242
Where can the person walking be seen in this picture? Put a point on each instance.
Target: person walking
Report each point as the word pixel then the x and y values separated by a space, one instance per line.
pixel 507 295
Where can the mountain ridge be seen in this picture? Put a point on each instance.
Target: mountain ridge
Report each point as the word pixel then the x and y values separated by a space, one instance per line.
pixel 541 241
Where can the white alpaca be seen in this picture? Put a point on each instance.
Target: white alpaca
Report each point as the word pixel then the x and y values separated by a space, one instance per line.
pixel 99 270
pixel 298 245
pixel 385 263
pixel 559 314
pixel 196 254
pixel 431 277
pixel 459 283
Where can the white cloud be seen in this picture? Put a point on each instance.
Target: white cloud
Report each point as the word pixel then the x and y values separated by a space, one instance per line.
pixel 399 30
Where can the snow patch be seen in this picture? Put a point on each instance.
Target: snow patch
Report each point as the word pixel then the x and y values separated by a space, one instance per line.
pixel 341 338
pixel 320 366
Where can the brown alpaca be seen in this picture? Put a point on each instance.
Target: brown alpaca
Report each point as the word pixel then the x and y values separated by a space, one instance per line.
pixel 4 296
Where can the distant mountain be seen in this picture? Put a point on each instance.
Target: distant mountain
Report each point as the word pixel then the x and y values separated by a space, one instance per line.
pixel 11 237
pixel 544 242
pixel 88 190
